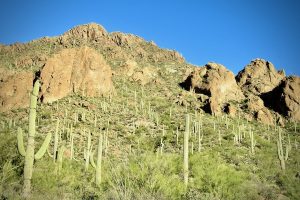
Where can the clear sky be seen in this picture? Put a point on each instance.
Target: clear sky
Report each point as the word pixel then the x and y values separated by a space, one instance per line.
pixel 230 32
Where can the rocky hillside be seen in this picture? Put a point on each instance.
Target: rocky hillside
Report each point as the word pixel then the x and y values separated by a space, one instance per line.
pixel 137 95
pixel 83 60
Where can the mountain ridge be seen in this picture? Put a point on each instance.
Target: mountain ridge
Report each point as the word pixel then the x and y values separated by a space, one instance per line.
pixel 118 48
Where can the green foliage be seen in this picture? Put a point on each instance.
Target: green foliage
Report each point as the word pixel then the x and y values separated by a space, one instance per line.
pixel 131 168
pixel 147 175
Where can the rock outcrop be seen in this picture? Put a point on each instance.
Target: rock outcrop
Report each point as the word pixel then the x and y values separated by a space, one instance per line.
pixel 142 75
pixel 145 75
pixel 264 116
pixel 259 77
pixel 285 98
pixel 215 81
pixel 15 89
pixel 128 68
pixel 84 33
pixel 79 70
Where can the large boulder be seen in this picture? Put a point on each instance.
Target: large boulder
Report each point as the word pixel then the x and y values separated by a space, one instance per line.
pixel 285 98
pixel 259 77
pixel 15 89
pixel 79 70
pixel 215 81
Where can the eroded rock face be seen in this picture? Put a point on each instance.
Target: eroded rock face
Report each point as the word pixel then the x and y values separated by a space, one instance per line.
pixel 259 77
pixel 79 70
pixel 15 90
pixel 215 81
pixel 285 98
pixel 264 116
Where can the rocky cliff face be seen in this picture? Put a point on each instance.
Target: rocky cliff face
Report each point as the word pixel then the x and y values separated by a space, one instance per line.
pixel 215 81
pixel 259 90
pixel 76 71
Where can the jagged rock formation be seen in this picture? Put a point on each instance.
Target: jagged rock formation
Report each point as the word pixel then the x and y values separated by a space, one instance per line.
pixel 84 33
pixel 259 85
pixel 117 45
pixel 78 71
pixel 285 98
pixel 259 77
pixel 215 81
pixel 15 89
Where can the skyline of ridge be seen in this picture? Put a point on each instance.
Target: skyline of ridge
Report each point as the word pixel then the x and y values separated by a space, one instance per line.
pixel 231 33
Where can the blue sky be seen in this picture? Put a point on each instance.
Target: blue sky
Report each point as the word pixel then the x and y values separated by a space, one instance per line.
pixel 230 32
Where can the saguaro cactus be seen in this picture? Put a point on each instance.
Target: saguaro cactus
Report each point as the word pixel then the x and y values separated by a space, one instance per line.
pixel 280 151
pixel 29 153
pixel 186 150
pixel 88 152
pixel 99 159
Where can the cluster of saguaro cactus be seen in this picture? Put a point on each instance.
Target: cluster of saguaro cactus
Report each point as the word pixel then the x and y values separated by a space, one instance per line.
pixel 29 154
pixel 98 165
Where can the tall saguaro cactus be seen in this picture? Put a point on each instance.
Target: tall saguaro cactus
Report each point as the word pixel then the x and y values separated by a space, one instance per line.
pixel 280 151
pixel 186 150
pixel 99 159
pixel 29 153
pixel 97 166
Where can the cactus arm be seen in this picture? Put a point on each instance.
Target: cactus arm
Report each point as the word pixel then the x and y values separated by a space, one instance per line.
pixel 49 154
pixel 43 148
pixel 21 142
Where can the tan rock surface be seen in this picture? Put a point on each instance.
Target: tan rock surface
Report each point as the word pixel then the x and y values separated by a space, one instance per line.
pixel 14 89
pixel 145 75
pixel 128 68
pixel 264 116
pixel 79 70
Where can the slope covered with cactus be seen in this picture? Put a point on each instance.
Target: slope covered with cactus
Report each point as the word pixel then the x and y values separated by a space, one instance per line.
pixel 141 126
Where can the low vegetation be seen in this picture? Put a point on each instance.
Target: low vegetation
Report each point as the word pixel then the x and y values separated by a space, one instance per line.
pixel 142 151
